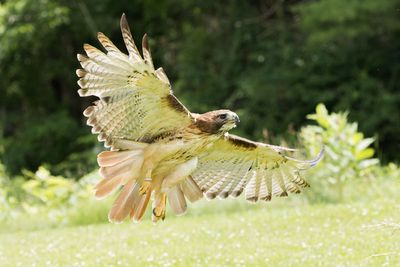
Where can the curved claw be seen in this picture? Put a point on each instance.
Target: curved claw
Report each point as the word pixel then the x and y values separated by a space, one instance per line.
pixel 158 214
pixel 160 208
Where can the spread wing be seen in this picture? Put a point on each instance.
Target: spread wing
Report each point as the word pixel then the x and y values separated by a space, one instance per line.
pixel 136 102
pixel 234 164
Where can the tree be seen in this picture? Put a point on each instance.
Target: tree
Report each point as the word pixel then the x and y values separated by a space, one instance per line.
pixel 271 61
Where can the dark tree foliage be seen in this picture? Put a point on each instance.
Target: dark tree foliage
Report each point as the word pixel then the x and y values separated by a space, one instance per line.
pixel 271 61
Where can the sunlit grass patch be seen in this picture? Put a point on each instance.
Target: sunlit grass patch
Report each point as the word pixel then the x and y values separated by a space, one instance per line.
pixel 293 235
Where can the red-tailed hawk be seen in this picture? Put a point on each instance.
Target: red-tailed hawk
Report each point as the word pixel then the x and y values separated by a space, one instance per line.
pixel 160 149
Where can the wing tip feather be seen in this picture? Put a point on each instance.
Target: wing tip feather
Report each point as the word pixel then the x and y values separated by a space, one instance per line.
pixel 81 58
pixel 266 198
pixel 123 21
pixel 81 83
pixel 86 46
pixel 100 35
pixel 223 195
pixel 210 195
pixel 319 156
pixel 88 111
pixel 252 199
pixel 145 42
pixel 312 162
pixel 80 73
pixel 83 92
pixel 283 194
pixel 236 193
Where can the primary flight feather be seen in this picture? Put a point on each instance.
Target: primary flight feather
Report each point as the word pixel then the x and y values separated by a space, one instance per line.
pixel 160 150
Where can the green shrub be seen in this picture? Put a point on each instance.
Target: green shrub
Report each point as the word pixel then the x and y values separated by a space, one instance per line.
pixel 40 199
pixel 3 193
pixel 11 194
pixel 41 193
pixel 348 154
pixel 46 189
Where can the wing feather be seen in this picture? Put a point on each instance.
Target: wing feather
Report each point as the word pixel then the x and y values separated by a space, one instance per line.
pixel 235 164
pixel 136 102
pixel 128 39
pixel 146 51
pixel 237 177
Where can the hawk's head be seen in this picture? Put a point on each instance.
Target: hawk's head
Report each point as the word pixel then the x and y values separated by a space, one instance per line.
pixel 217 121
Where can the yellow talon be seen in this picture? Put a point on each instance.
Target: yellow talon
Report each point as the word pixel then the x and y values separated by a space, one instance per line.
pixel 145 187
pixel 159 210
pixel 159 214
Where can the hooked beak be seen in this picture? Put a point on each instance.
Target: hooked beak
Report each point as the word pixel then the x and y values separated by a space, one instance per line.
pixel 237 120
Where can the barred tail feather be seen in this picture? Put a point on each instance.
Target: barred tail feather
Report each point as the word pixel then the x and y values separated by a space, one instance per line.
pixel 111 158
pixel 125 201
pixel 117 168
pixel 130 202
pixel 139 206
pixel 106 186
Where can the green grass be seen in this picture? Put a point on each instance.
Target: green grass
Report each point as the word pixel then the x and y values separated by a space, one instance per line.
pixel 286 233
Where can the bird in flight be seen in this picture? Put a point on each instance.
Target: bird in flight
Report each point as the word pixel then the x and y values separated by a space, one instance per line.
pixel 161 150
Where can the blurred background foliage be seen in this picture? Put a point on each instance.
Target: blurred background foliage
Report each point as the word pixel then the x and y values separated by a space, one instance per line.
pixel 348 154
pixel 271 61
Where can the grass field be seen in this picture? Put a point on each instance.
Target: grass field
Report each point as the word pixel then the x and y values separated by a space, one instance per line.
pixel 286 233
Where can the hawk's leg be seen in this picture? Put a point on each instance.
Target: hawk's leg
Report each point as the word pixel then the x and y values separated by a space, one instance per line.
pixel 146 184
pixel 145 187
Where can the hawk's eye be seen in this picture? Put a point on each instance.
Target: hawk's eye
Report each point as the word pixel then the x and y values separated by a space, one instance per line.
pixel 222 116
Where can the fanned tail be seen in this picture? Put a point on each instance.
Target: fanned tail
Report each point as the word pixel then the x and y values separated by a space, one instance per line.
pixel 116 169
pixel 123 168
